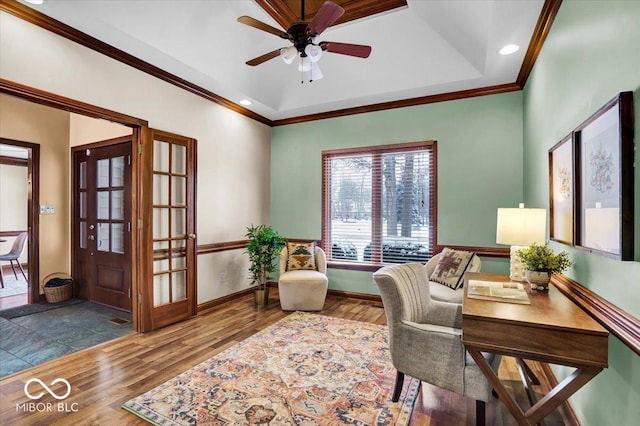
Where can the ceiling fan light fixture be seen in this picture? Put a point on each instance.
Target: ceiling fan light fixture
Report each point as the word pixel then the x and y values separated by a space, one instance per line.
pixel 305 64
pixel 509 49
pixel 313 52
pixel 288 54
pixel 315 73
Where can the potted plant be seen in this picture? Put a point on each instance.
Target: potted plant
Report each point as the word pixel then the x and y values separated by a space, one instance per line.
pixel 264 247
pixel 540 262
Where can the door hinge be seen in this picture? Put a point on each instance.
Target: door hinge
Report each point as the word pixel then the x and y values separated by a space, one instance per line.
pixel 129 226
pixel 129 159
pixel 139 298
pixel 139 148
pixel 129 292
pixel 139 223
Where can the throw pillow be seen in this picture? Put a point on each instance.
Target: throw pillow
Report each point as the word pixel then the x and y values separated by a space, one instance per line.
pixel 301 256
pixel 451 266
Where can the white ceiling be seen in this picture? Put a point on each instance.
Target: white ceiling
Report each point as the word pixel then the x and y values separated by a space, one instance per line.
pixel 429 47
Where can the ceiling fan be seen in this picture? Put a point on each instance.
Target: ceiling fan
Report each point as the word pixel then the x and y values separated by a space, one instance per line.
pixel 304 36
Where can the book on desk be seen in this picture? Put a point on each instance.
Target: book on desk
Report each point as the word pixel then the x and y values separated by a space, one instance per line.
pixel 508 291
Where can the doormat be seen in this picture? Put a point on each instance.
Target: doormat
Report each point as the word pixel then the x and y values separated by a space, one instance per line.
pixel 35 308
pixel 304 369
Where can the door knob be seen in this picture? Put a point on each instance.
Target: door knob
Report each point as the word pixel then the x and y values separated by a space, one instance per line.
pixel 191 236
pixel 91 237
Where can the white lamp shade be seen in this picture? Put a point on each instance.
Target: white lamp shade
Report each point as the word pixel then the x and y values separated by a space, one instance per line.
pixel 313 52
pixel 305 64
pixel 316 74
pixel 288 54
pixel 521 227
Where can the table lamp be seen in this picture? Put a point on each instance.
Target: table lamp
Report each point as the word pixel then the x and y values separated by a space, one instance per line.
pixel 520 228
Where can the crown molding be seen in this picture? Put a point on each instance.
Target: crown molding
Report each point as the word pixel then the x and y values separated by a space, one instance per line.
pixel 43 21
pixel 545 20
pixel 443 97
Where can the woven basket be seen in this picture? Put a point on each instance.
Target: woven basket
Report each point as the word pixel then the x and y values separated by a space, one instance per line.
pixel 60 293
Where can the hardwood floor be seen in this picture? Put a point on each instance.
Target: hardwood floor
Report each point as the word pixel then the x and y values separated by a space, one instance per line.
pixel 13 301
pixel 104 377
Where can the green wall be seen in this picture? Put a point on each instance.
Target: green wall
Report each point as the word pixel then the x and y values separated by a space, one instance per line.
pixel 592 53
pixel 492 152
pixel 479 169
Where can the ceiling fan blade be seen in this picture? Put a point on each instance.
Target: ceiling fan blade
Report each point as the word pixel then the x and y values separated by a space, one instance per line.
pixel 264 58
pixel 326 16
pixel 252 22
pixel 359 50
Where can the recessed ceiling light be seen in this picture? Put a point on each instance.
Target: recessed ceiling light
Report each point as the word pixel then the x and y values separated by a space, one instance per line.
pixel 245 102
pixel 38 2
pixel 509 49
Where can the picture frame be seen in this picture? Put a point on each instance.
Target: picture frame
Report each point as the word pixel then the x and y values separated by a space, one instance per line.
pixel 604 174
pixel 562 191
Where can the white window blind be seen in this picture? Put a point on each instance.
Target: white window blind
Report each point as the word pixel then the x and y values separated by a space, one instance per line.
pixel 379 203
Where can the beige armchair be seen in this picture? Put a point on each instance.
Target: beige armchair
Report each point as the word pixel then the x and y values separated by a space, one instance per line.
pixel 425 336
pixel 440 291
pixel 303 290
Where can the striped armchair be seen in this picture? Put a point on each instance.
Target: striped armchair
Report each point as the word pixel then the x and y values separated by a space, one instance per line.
pixel 425 336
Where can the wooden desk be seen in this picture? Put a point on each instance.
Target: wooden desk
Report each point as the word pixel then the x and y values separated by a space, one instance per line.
pixel 551 329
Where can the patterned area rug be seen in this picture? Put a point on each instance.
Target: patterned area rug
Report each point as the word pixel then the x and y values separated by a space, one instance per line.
pixel 306 369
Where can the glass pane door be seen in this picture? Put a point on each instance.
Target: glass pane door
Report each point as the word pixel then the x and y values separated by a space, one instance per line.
pixel 169 223
pixel 168 290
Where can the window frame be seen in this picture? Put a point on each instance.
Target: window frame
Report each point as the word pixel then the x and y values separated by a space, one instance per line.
pixel 376 199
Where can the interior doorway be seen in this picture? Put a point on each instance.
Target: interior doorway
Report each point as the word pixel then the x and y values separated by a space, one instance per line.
pixel 19 118
pixel 23 154
pixel 101 222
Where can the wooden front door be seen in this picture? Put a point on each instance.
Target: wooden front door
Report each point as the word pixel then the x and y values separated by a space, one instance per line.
pixel 169 293
pixel 102 222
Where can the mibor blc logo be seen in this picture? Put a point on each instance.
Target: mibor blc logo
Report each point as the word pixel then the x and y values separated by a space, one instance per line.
pixel 34 392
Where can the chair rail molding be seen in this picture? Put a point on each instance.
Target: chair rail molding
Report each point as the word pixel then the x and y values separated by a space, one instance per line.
pixel 620 323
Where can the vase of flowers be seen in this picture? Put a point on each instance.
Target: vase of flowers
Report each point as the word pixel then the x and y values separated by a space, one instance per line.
pixel 540 262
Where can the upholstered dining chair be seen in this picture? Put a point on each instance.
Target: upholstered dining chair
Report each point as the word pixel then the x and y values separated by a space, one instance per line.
pixel 14 254
pixel 303 289
pixel 425 336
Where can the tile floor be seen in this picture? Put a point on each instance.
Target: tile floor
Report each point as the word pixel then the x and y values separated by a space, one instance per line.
pixel 33 339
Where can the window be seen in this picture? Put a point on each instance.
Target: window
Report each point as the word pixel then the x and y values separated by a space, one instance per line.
pixel 379 203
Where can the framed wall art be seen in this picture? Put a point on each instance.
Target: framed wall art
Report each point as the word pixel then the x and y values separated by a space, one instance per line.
pixel 604 173
pixel 562 191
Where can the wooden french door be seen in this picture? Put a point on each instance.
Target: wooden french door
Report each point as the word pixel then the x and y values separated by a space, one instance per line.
pixel 168 295
pixel 102 222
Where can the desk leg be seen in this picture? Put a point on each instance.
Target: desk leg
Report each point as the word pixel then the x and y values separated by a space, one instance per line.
pixel 532 377
pixel 503 395
pixel 561 393
pixel 525 377
pixel 548 403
